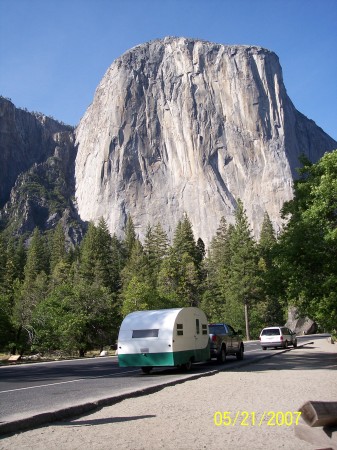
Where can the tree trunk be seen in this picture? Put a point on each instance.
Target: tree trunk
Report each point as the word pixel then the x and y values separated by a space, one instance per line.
pixel 247 322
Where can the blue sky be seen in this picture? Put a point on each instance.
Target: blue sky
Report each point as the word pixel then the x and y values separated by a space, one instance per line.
pixel 53 53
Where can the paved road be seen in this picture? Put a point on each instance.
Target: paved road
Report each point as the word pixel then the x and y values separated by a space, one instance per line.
pixel 27 391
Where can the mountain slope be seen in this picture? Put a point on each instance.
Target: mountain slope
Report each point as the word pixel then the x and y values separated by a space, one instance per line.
pixel 37 159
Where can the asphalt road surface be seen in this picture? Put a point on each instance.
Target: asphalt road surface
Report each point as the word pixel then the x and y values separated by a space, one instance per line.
pixel 41 388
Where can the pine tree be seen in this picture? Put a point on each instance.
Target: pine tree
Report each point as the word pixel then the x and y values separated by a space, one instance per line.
pixel 136 264
pixel 179 277
pixel 138 290
pixel 269 310
pixel 103 255
pixel 20 259
pixel 242 285
pixel 3 260
pixel 200 251
pixel 88 254
pixel 58 246
pixel 183 240
pixel 156 248
pixel 217 266
pixel 118 263
pixel 130 236
pixel 37 259
pixel 267 240
pixel 15 256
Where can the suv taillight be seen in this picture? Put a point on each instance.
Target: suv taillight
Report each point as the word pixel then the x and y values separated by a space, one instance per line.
pixel 214 338
pixel 281 338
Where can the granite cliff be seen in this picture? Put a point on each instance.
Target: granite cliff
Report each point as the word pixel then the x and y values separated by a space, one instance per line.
pixel 176 125
pixel 181 125
pixel 25 139
pixel 37 185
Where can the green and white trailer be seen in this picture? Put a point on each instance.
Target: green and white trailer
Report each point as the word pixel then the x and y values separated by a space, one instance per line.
pixel 165 337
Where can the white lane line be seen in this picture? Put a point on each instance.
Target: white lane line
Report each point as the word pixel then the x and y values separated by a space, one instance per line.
pixel 42 363
pixel 66 382
pixel 249 351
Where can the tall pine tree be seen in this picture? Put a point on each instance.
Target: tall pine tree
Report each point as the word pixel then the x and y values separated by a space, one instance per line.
pixel 179 277
pixel 242 283
pixel 269 310
pixel 217 266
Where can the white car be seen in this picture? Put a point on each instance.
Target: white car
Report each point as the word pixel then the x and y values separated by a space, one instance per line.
pixel 277 337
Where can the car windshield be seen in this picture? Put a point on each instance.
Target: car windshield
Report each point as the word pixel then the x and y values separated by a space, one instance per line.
pixel 217 329
pixel 271 332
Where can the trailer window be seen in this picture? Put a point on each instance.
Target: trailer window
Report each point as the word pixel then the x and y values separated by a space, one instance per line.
pixel 180 331
pixel 197 326
pixel 204 328
pixel 145 333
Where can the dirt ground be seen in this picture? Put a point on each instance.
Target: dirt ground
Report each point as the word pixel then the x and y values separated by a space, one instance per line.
pixel 190 415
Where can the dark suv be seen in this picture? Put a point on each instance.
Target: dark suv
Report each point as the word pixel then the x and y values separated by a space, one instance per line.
pixel 225 341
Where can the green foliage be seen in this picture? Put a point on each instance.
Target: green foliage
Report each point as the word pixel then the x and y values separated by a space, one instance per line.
pixel 75 318
pixel 130 236
pixel 58 246
pixel 184 242
pixel 37 258
pixel 2 259
pixel 271 309
pixel 216 266
pixel 306 252
pixel 139 280
pixel 156 248
pixel 267 240
pixel 179 277
pixel 139 294
pixel 6 327
pixel 242 284
pixel 55 298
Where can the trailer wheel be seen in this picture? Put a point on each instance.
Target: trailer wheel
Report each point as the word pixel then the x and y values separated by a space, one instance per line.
pixel 147 369
pixel 187 366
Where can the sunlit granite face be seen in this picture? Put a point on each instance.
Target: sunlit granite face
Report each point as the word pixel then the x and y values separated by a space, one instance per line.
pixel 182 125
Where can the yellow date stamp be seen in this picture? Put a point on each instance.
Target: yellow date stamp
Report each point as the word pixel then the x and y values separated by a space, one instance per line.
pixel 253 419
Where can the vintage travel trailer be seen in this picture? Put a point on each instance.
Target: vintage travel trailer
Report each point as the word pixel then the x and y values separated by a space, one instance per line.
pixel 164 337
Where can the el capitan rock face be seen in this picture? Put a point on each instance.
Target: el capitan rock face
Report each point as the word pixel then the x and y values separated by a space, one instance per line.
pixel 180 125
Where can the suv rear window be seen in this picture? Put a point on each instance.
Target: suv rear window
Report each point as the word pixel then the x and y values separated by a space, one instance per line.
pixel 271 332
pixel 217 329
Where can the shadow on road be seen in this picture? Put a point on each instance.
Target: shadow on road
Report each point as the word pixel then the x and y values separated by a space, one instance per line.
pixel 294 359
pixel 103 421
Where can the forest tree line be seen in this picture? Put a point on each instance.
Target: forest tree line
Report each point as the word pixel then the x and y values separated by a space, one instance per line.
pixel 74 299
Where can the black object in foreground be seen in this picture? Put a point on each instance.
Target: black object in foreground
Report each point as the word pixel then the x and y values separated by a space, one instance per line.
pixel 319 414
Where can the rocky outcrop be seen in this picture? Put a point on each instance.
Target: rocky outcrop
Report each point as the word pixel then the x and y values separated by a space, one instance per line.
pixel 180 125
pixel 300 325
pixel 43 196
pixel 25 138
pixel 37 160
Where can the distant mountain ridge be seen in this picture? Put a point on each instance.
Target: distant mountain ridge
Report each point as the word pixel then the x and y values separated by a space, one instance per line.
pixel 176 125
